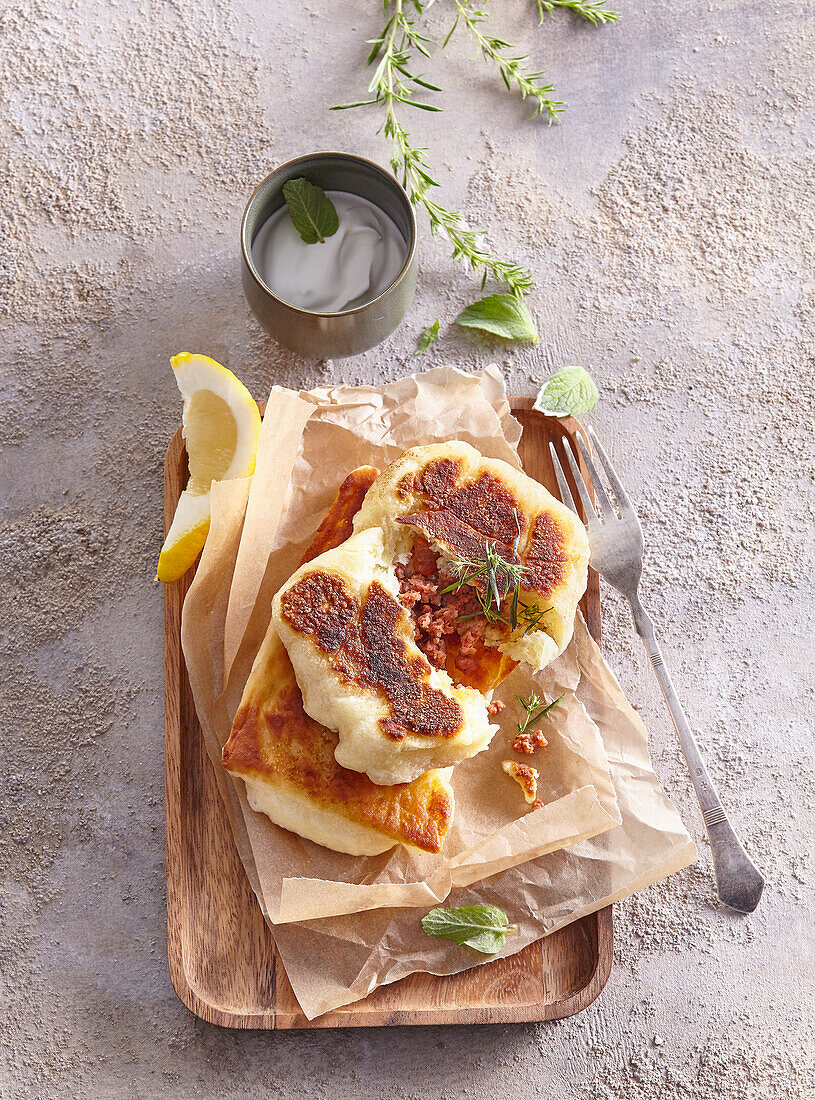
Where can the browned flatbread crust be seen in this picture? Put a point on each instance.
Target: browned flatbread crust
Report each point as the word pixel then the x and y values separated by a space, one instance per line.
pixel 352 644
pixel 273 737
pixel 462 518
pixel 339 519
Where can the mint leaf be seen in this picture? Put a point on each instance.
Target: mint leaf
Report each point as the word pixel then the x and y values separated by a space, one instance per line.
pixel 502 315
pixel 428 337
pixel 482 927
pixel 569 392
pixel 312 211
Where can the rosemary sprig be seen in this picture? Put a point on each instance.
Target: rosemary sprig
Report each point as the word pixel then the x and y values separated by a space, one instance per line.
pixel 594 10
pixel 500 575
pixel 535 709
pixel 527 615
pixel 513 69
pixel 393 84
pixel 495 566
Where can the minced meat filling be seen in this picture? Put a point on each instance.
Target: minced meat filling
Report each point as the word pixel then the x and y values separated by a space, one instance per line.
pixel 529 742
pixel 442 622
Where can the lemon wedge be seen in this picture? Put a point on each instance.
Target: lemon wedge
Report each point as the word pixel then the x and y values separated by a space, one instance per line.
pixel 221 424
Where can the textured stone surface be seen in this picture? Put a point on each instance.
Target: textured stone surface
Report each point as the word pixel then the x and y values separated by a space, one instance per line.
pixel 670 224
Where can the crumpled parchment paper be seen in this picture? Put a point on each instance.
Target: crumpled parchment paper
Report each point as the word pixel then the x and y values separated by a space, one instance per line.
pixel 606 828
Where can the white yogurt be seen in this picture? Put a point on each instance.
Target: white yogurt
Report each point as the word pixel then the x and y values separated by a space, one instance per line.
pixel 349 269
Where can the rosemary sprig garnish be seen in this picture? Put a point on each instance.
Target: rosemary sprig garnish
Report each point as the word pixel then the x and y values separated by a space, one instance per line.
pixel 513 69
pixel 500 576
pixel 511 574
pixel 392 84
pixel 495 568
pixel 535 709
pixel 594 10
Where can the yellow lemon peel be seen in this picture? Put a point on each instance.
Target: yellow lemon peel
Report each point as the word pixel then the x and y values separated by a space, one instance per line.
pixel 221 425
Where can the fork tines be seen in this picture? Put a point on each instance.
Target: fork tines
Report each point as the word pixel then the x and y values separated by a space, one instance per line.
pixel 601 508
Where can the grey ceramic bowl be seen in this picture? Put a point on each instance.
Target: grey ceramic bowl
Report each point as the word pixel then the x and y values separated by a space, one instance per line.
pixel 331 335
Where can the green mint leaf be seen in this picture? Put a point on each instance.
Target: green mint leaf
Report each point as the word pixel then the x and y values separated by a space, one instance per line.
pixel 428 337
pixel 502 315
pixel 569 392
pixel 482 927
pixel 312 211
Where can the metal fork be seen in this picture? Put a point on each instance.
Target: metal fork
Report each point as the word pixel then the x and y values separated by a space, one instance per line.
pixel 616 553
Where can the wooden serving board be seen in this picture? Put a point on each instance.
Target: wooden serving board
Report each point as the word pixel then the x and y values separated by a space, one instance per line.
pixel 223 962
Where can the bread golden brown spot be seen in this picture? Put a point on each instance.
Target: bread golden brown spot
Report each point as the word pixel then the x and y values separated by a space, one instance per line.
pixel 484 503
pixel 545 560
pixel 365 648
pixel 339 520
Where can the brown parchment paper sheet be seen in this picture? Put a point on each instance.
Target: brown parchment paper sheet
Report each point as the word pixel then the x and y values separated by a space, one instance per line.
pixel 260 527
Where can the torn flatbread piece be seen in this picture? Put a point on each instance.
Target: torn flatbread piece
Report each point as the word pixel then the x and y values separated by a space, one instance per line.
pixel 447 515
pixel 286 759
pixel 361 673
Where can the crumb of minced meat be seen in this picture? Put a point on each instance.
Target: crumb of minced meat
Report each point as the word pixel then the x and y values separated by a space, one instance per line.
pixel 537 804
pixel 437 614
pixel 495 707
pixel 436 651
pixel 529 742
pixel 526 776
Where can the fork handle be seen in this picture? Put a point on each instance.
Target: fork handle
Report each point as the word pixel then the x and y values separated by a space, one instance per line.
pixel 738 881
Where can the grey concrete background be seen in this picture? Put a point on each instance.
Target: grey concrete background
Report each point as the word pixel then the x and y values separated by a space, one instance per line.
pixel 669 222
